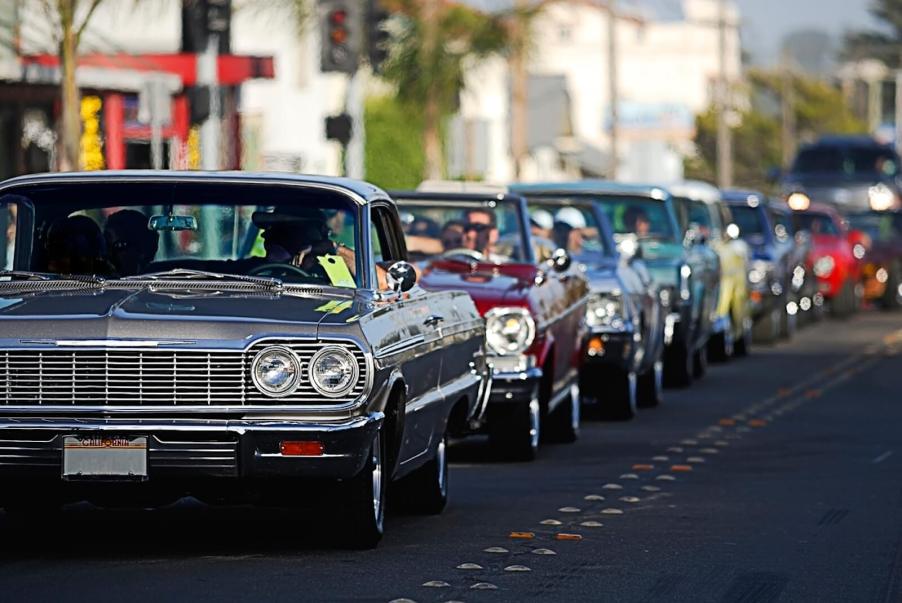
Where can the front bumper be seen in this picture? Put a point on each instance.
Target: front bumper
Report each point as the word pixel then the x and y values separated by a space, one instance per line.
pixel 609 348
pixel 515 387
pixel 197 448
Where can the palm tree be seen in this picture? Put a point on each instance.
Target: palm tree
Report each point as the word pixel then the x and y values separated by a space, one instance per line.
pixel 434 44
pixel 69 19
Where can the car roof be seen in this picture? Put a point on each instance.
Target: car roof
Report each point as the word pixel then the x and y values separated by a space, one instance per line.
pixel 844 140
pixel 599 187
pixel 418 195
pixel 695 190
pixel 736 196
pixel 362 192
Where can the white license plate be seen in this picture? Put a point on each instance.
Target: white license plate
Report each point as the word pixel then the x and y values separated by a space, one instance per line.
pixel 105 456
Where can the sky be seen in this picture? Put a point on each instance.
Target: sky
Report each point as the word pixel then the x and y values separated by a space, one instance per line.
pixel 765 22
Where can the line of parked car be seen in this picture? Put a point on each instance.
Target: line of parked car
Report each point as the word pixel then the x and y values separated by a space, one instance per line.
pixel 299 340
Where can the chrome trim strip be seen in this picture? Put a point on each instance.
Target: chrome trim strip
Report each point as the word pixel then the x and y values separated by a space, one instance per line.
pixel 237 426
pixel 400 346
pixel 106 343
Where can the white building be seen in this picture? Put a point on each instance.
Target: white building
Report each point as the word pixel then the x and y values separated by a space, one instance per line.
pixel 667 68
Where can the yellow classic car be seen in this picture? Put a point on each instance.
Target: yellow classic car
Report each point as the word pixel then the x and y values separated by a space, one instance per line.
pixel 706 220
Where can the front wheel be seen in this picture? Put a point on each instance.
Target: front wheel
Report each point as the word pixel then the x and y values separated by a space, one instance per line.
pixel 426 490
pixel 515 429
pixel 678 365
pixel 563 423
pixel 365 500
pixel 650 387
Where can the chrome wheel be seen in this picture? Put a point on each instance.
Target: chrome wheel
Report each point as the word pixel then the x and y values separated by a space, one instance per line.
pixel 535 424
pixel 377 480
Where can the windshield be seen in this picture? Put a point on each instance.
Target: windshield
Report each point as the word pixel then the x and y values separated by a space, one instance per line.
pixel 488 231
pixel 646 218
pixel 571 227
pixel 817 224
pixel 231 230
pixel 861 161
pixel 751 222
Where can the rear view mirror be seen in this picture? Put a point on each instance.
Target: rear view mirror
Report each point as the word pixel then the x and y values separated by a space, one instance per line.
pixel 560 260
pixel 172 223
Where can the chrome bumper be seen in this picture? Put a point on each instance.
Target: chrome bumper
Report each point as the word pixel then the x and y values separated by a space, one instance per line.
pixel 189 448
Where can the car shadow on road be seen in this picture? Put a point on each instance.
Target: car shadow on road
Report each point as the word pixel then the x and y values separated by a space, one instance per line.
pixel 186 529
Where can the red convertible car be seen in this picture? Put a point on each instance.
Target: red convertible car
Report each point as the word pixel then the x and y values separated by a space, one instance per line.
pixel 836 255
pixel 533 301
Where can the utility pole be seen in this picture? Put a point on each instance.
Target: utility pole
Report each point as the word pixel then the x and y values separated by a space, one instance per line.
pixel 211 128
pixel 355 151
pixel 724 135
pixel 898 118
pixel 613 89
pixel 787 108
pixel 519 90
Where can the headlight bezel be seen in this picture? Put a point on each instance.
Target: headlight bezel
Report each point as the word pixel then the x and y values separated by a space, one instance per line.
pixel 314 380
pixel 292 359
pixel 614 316
pixel 824 266
pixel 528 324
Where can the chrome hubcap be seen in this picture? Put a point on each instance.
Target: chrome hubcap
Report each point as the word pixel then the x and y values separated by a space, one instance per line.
pixel 377 478
pixel 440 458
pixel 574 407
pixel 534 423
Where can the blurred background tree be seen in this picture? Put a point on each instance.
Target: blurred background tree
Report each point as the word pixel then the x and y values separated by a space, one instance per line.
pixel 818 108
pixel 389 124
pixel 433 45
pixel 885 44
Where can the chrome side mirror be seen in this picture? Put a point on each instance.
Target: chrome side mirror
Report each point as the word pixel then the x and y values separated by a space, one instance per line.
pixel 629 248
pixel 561 260
pixel 694 236
pixel 733 231
pixel 402 276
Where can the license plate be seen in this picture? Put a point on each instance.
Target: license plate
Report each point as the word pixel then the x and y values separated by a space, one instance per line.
pixel 110 457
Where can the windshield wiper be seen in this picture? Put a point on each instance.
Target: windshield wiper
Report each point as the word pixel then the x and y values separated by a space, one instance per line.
pixel 190 274
pixel 28 275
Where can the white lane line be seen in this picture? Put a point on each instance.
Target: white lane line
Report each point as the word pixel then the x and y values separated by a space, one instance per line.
pixel 883 457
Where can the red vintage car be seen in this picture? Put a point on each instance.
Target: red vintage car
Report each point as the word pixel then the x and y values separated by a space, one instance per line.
pixel 533 300
pixel 835 257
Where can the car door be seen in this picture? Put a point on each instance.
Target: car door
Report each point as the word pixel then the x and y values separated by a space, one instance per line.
pixel 416 318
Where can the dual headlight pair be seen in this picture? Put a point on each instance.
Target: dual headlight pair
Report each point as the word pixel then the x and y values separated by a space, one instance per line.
pixel 605 310
pixel 509 330
pixel 276 371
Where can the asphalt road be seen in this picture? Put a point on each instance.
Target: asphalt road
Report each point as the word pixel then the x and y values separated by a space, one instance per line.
pixel 779 477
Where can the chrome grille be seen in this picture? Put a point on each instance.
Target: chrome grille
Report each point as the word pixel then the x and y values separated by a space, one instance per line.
pixel 156 378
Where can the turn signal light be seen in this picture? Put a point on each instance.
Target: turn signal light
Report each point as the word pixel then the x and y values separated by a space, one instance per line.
pixel 596 346
pixel 301 448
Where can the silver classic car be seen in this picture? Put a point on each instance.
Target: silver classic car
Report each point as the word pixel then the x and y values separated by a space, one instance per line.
pixel 228 336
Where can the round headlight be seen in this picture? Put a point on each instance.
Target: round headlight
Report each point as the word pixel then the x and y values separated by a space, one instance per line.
pixel 509 330
pixel 605 310
pixel 275 371
pixel 824 265
pixel 333 371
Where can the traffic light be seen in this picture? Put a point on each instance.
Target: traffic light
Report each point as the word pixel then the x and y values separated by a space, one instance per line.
pixel 378 37
pixel 340 127
pixel 341 36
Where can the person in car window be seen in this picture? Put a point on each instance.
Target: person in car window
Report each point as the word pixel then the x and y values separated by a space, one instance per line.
pixel 75 245
pixel 636 220
pixel 132 245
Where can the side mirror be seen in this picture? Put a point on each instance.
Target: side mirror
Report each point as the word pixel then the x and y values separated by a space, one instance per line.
pixel 402 276
pixel 560 260
pixel 732 231
pixel 629 248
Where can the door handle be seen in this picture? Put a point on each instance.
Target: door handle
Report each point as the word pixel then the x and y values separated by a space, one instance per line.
pixel 433 320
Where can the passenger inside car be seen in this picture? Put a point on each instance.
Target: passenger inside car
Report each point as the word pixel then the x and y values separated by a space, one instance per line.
pixel 132 245
pixel 637 221
pixel 75 245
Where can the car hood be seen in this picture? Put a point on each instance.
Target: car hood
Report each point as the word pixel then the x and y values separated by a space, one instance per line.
pixel 663 261
pixel 603 276
pixel 489 285
pixel 143 313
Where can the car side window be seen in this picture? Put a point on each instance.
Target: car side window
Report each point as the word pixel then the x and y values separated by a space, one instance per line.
pixel 387 240
pixel 8 222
